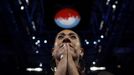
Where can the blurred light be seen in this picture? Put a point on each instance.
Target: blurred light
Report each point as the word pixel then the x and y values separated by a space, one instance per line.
pixel 114 7
pixel 99 50
pixel 38 45
pixel 101 24
pixel 33 37
pixel 97 68
pixel 95 42
pixel 98 40
pixel 94 62
pixel 20 2
pixel 118 66
pixel 102 36
pixel 108 0
pixel 22 7
pixel 45 41
pixel 40 64
pixel 27 1
pixel 33 23
pixel 38 69
pixel 52 69
pixel 36 52
pixel 116 2
pixel 38 41
pixel 87 42
pixel 107 3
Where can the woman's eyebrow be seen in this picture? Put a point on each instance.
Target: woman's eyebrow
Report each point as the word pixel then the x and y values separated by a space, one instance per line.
pixel 62 34
pixel 70 34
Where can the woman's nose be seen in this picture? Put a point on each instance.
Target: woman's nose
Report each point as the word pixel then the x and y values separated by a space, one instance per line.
pixel 66 40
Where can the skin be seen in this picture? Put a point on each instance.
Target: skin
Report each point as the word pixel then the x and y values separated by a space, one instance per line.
pixel 67 51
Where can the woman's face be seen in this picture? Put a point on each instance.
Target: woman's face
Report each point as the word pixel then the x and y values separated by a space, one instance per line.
pixel 70 39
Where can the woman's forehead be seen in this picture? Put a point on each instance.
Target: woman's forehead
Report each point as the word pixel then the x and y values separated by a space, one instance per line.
pixel 66 32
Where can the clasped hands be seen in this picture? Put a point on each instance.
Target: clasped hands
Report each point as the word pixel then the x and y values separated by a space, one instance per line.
pixel 66 59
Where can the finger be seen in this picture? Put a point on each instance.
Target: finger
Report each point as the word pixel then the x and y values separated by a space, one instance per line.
pixel 57 52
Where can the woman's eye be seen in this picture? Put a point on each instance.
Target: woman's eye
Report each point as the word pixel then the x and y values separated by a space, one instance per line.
pixel 73 37
pixel 60 37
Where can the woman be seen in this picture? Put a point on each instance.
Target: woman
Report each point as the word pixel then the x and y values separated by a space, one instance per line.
pixel 67 53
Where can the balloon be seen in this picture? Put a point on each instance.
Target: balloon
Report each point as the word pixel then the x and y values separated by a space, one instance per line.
pixel 67 18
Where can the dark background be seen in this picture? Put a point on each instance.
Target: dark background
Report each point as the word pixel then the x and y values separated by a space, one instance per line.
pixel 18 49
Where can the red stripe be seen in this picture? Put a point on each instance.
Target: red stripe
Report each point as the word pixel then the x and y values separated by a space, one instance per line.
pixel 66 13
